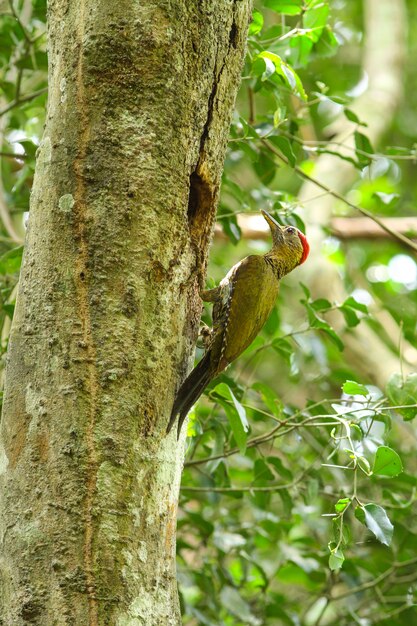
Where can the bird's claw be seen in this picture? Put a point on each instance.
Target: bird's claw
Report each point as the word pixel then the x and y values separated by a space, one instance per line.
pixel 206 334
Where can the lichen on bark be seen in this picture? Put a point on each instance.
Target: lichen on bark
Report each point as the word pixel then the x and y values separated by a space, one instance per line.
pixel 140 100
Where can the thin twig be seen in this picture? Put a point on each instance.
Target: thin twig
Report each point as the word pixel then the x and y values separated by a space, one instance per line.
pixel 291 426
pixel 373 583
pixel 23 99
pixel 251 99
pixel 402 238
pixel 21 25
pixel 13 155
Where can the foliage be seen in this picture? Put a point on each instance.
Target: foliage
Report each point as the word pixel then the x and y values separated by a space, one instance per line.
pixel 23 87
pixel 298 497
pixel 306 515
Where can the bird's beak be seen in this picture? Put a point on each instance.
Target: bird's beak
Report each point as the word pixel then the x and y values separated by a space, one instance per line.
pixel 273 224
pixel 276 229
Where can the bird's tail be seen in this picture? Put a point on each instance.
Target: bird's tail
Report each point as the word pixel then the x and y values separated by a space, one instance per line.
pixel 189 392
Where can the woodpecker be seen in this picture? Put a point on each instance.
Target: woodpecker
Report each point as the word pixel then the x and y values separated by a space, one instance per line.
pixel 242 303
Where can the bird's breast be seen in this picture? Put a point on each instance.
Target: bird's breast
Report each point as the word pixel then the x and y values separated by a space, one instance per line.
pixel 253 291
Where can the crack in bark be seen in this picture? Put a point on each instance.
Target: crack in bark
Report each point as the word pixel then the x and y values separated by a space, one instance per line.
pixel 210 109
pixel 202 190
pixel 233 35
pixel 82 284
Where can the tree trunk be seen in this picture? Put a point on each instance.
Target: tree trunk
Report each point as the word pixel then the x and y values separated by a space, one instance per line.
pixel 122 210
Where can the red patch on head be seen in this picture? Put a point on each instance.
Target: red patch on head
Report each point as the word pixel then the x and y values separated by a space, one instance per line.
pixel 306 247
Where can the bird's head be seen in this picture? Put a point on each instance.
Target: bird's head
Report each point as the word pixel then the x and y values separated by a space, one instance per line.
pixel 290 246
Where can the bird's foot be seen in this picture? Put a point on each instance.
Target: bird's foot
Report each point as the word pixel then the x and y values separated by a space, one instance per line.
pixel 210 295
pixel 205 335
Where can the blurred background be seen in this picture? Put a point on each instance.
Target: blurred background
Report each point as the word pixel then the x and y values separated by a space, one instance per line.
pixel 298 499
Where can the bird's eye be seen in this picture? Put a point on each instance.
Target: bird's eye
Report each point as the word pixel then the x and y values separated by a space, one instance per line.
pixel 290 230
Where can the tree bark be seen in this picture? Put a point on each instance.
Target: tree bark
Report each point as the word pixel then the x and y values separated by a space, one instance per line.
pixel 122 211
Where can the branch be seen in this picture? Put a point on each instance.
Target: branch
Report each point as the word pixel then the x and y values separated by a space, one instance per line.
pixel 270 488
pixel 13 155
pixel 364 228
pixel 375 581
pixel 274 433
pixel 245 489
pixel 341 227
pixel 22 99
pixel 399 236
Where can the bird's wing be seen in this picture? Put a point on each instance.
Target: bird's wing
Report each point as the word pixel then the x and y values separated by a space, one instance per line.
pixel 223 300
pixel 248 295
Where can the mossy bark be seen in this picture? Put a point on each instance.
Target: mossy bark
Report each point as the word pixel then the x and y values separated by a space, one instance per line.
pixel 122 209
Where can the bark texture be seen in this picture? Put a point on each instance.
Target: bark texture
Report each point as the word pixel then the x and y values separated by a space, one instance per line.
pixel 122 210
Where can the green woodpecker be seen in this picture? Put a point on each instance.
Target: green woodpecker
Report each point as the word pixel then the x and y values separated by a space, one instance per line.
pixel 241 305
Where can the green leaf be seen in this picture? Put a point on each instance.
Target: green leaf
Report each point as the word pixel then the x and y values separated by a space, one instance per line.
pixel 237 606
pixel 236 415
pixel 363 144
pixel 350 316
pixel 352 117
pixel 247 149
pixel 287 502
pixel 327 45
pixel 258 66
pixel 234 189
pixel 10 261
pixel 286 7
pixel 315 18
pixel 279 116
pixel 269 69
pixel 29 146
pixel 349 308
pixel 257 22
pixel 341 505
pixel 374 517
pixel 198 521
pixel 387 462
pixel 402 391
pixel 321 304
pixel 300 48
pixel 265 168
pixel 293 575
pixel 285 147
pixel 262 473
pixel 351 388
pixel 269 398
pixel 279 468
pixel 286 72
pixel 248 129
pixel 9 310
pixel 229 224
pixel 284 348
pixel 320 324
pixel 336 560
pixel 354 304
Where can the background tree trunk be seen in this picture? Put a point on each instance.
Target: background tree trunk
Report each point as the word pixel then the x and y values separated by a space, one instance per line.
pixel 383 65
pixel 107 314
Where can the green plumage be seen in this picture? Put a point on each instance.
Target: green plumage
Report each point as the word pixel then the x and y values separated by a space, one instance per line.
pixel 242 303
pixel 250 294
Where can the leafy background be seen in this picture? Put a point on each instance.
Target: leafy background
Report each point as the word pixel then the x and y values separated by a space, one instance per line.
pixel 298 503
